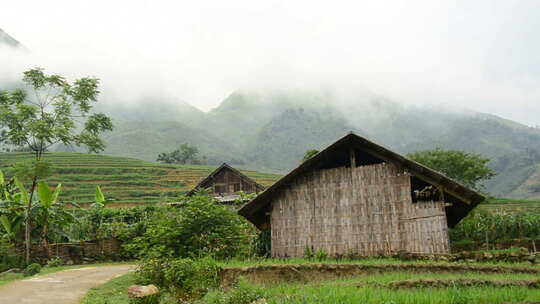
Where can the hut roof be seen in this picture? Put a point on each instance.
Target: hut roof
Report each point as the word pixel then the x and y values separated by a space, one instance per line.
pixel 462 198
pixel 224 166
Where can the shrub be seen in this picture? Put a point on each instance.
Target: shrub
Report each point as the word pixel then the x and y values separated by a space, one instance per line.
pixel 243 293
pixel 192 278
pixel 55 262
pixel 9 257
pixel 262 245
pixel 321 255
pixel 309 252
pixel 124 224
pixel 184 278
pixel 484 227
pixel 151 271
pixel 32 269
pixel 200 228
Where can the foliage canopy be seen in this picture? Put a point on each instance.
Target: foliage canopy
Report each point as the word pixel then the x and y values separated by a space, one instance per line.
pixel 467 168
pixel 185 154
pixel 199 228
pixel 51 113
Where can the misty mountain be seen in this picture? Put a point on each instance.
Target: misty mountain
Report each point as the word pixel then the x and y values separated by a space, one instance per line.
pixel 271 131
pixel 281 143
pixel 7 40
pixel 145 139
pixel 151 109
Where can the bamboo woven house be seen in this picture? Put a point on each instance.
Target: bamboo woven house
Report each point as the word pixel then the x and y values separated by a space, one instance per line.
pixel 225 184
pixel 356 197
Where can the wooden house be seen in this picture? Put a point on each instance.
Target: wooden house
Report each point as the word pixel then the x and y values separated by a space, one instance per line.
pixel 225 184
pixel 356 197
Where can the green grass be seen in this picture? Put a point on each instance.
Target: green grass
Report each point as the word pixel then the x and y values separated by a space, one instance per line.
pixel 368 288
pixel 330 294
pixel 510 205
pixel 351 291
pixel 358 289
pixel 388 277
pixel 128 181
pixel 366 261
pixel 112 292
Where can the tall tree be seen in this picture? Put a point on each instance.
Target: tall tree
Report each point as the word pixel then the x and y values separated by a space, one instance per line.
pixel 48 111
pixel 186 154
pixel 467 168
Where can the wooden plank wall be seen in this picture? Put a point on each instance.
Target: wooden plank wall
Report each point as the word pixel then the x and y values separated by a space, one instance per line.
pixel 227 177
pixel 365 210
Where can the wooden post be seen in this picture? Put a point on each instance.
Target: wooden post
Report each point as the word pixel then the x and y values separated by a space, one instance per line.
pixel 352 155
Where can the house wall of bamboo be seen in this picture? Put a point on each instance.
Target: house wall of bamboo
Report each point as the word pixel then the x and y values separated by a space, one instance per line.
pixel 367 210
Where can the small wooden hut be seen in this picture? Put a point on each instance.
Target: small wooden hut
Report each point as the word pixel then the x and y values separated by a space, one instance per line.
pixel 225 184
pixel 356 197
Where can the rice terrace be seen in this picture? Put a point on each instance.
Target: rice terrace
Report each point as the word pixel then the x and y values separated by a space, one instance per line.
pixel 244 152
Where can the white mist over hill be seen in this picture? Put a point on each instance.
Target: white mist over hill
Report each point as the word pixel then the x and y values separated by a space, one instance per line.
pixel 483 55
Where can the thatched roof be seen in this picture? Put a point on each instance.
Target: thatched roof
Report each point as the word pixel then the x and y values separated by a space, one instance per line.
pixel 462 198
pixel 224 166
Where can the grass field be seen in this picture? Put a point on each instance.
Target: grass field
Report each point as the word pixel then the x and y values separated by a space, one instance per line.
pixel 510 205
pixel 112 292
pixel 128 181
pixel 369 287
pixel 366 261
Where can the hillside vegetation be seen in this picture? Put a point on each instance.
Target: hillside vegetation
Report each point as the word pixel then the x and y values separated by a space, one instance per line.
pixel 270 131
pixel 126 180
pixel 131 181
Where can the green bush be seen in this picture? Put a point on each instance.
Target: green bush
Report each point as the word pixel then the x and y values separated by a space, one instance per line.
pixel 321 255
pixel 32 269
pixel 309 252
pixel 243 293
pixel 184 278
pixel 484 227
pixel 124 224
pixel 192 278
pixel 262 246
pixel 151 271
pixel 55 262
pixel 9 257
pixel 200 228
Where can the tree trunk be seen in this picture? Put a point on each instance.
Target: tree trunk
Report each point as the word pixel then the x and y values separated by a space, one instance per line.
pixel 28 241
pixel 45 240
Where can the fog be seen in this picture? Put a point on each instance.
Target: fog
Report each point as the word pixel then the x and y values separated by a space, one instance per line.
pixel 480 55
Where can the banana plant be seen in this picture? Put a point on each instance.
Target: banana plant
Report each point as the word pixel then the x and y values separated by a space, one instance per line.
pixel 9 227
pixel 11 209
pixel 99 199
pixel 49 211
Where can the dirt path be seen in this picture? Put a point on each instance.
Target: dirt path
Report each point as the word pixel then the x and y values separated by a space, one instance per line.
pixel 65 287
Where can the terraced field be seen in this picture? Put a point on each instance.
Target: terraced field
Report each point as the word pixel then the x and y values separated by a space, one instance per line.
pixel 128 181
pixel 132 181
pixel 511 205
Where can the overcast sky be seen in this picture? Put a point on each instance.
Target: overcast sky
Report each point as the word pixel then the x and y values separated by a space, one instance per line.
pixel 483 55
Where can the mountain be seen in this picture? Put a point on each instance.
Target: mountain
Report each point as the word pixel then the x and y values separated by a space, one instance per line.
pixel 270 131
pixel 7 40
pixel 146 139
pixel 281 143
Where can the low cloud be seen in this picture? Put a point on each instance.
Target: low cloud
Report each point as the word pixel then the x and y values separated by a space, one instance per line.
pixel 482 55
